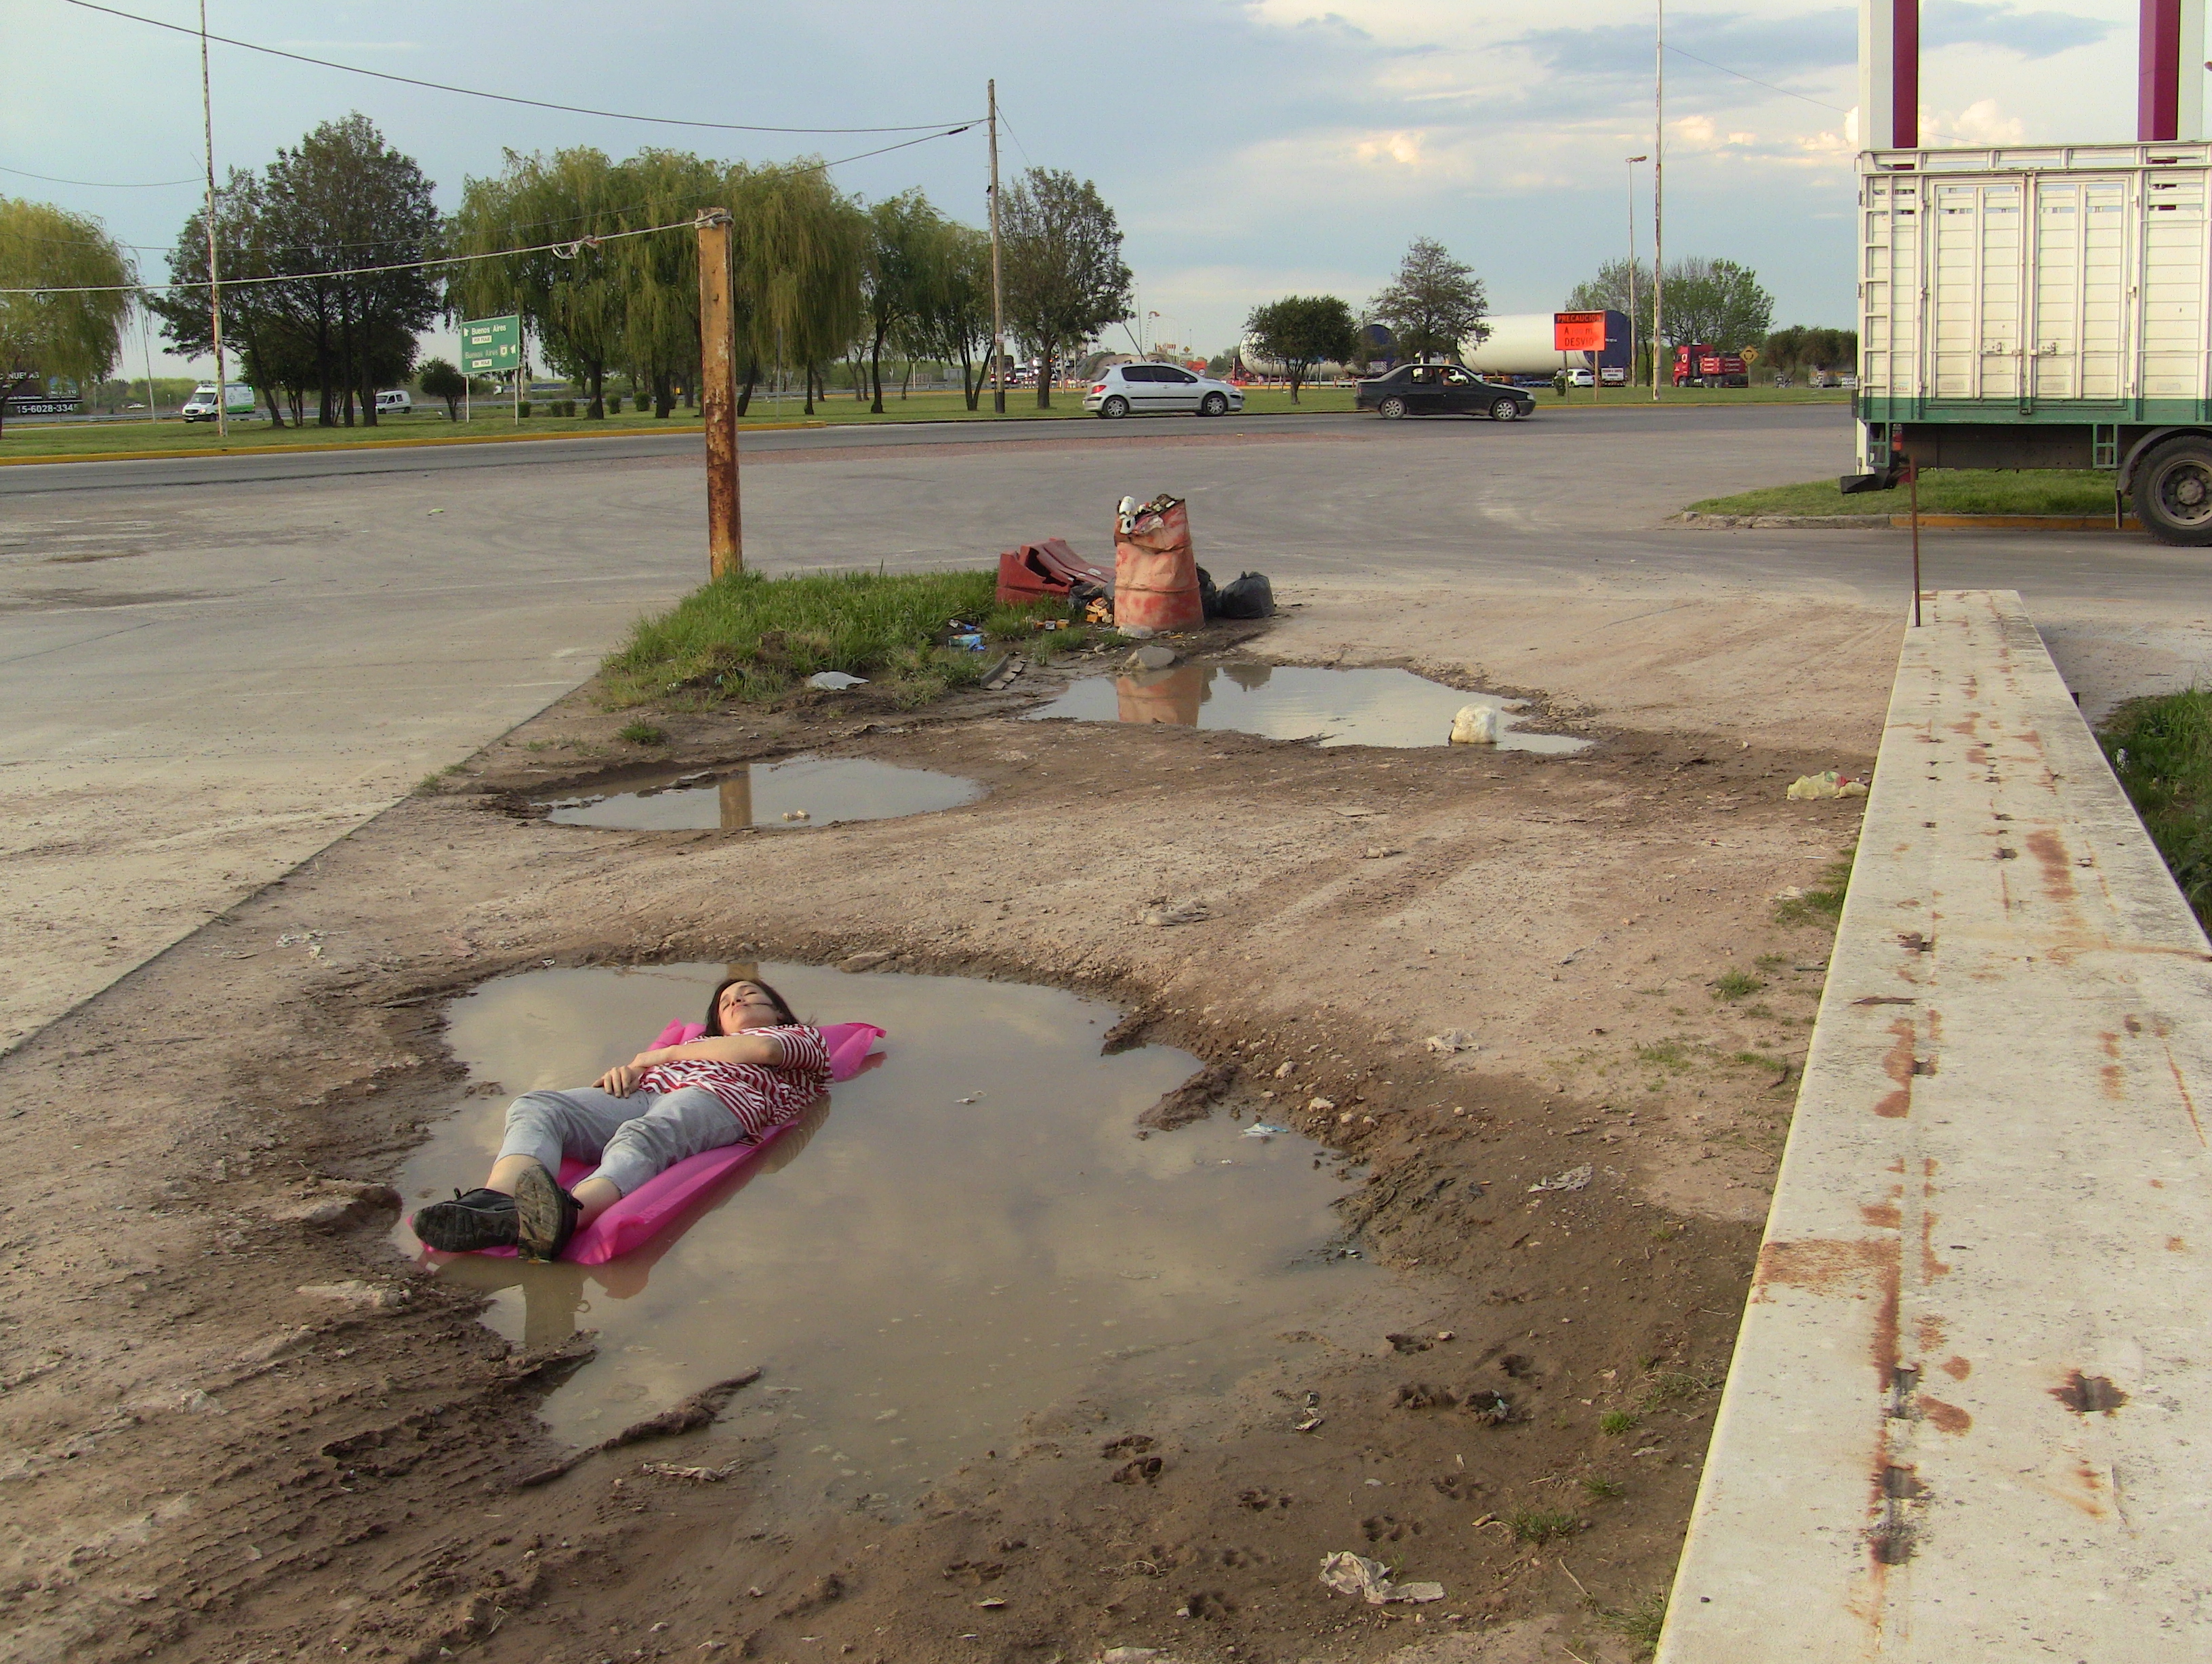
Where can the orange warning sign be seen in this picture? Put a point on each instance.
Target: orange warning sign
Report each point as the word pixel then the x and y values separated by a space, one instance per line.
pixel 1577 331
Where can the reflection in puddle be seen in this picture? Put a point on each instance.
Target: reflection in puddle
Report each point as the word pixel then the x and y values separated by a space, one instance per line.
pixel 958 1237
pixel 826 790
pixel 1392 708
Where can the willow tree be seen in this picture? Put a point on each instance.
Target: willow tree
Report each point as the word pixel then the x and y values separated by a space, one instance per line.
pixel 952 315
pixel 800 246
pixel 659 274
pixel 574 294
pixel 73 327
pixel 903 236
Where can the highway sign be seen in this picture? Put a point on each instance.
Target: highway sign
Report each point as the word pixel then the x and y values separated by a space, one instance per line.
pixel 1577 331
pixel 491 346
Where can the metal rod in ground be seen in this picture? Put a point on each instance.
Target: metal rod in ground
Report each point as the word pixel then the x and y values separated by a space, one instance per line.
pixel 717 394
pixel 1912 484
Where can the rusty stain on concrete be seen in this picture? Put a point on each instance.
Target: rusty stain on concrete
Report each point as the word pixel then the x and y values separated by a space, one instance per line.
pixel 2089 1394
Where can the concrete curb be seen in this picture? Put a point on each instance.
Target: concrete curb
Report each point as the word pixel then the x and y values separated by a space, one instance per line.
pixel 1963 1419
pixel 1904 522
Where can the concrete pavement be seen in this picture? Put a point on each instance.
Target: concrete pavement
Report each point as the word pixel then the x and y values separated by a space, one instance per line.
pixel 210 672
pixel 1963 1416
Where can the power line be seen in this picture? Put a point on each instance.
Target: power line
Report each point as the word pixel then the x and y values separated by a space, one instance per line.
pixel 567 251
pixel 498 98
pixel 1806 98
pixel 98 184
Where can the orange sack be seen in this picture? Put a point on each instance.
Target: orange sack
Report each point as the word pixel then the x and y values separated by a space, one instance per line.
pixel 1155 573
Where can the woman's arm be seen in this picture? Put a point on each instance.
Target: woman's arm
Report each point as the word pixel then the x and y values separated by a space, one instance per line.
pixel 718 1048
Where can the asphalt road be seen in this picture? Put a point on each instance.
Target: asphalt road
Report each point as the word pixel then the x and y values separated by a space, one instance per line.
pixel 213 666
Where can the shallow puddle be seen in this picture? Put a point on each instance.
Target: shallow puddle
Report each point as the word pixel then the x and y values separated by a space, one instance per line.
pixel 957 1238
pixel 799 791
pixel 1374 707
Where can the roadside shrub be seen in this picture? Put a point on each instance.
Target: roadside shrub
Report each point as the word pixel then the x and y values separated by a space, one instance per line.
pixel 614 403
pixel 524 410
pixel 2161 750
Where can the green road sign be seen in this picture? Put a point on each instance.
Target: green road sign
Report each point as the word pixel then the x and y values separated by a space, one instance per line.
pixel 491 346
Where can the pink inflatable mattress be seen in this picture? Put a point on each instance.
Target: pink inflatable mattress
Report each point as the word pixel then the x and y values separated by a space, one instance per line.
pixel 636 1219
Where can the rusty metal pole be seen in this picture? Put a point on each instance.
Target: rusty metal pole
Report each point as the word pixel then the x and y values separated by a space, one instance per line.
pixel 718 395
pixel 1912 481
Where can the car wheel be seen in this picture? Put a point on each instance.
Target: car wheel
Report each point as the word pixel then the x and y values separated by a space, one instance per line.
pixel 1505 409
pixel 1214 404
pixel 1114 407
pixel 1391 408
pixel 2173 493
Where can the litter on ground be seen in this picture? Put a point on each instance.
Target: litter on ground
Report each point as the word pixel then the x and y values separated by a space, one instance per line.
pixel 1575 1178
pixel 1352 1574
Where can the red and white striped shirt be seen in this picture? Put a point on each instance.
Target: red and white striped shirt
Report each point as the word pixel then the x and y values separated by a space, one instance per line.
pixel 761 1095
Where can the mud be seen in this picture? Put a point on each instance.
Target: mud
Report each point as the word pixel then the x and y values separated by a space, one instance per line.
pixel 1385 706
pixel 235 1421
pixel 799 791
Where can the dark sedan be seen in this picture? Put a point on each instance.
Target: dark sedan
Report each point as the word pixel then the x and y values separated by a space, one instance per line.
pixel 1443 390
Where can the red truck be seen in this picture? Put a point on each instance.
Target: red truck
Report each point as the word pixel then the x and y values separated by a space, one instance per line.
pixel 1699 365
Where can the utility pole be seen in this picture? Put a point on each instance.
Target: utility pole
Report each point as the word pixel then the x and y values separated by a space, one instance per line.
pixel 215 277
pixel 718 395
pixel 1658 198
pixel 1632 161
pixel 998 280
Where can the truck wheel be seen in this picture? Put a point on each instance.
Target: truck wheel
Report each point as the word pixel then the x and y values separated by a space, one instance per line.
pixel 2173 492
pixel 1391 408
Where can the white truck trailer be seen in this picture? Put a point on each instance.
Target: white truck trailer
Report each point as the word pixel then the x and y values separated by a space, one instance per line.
pixel 2042 308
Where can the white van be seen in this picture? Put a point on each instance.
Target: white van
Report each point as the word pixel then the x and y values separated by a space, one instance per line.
pixel 394 401
pixel 238 401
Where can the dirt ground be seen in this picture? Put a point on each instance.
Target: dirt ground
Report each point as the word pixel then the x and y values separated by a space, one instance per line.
pixel 234 1424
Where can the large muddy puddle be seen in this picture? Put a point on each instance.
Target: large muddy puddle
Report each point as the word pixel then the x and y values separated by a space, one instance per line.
pixel 960 1235
pixel 1373 706
pixel 799 792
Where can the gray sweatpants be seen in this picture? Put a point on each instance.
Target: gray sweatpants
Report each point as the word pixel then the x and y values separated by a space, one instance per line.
pixel 634 1138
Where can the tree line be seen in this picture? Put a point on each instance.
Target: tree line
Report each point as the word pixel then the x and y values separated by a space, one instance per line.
pixel 328 257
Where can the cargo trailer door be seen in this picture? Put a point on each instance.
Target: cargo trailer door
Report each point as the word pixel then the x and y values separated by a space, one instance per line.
pixel 1977 274
pixel 2175 262
pixel 2079 283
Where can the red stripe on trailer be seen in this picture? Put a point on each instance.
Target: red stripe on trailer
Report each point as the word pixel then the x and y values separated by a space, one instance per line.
pixel 2158 73
pixel 1905 74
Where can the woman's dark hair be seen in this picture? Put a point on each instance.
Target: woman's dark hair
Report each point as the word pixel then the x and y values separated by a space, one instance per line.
pixel 714 1002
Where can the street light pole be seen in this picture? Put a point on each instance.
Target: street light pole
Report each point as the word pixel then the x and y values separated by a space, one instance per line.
pixel 1632 161
pixel 998 280
pixel 214 276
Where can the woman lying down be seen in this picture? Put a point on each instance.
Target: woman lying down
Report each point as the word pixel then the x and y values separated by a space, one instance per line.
pixel 757 1067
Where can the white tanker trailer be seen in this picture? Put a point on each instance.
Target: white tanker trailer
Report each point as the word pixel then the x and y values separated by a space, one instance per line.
pixel 1520 344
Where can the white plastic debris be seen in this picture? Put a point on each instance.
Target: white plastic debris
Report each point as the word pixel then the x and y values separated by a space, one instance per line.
pixel 1178 913
pixel 797 815
pixel 1260 1129
pixel 1352 1574
pixel 836 681
pixel 1454 1040
pixel 1476 725
pixel 1575 1178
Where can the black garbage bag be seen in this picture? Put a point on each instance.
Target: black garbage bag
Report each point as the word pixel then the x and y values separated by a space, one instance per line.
pixel 1209 598
pixel 1248 597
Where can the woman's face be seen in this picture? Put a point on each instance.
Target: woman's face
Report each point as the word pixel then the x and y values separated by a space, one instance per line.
pixel 745 1007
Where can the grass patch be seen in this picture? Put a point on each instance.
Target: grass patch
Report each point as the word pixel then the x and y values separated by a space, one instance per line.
pixel 1942 491
pixel 2161 750
pixel 1614 1423
pixel 642 733
pixel 1640 1623
pixel 1540 1526
pixel 1667 1054
pixel 1758 1061
pixel 1822 903
pixel 1599 1489
pixel 754 638
pixel 1736 984
pixel 1665 1387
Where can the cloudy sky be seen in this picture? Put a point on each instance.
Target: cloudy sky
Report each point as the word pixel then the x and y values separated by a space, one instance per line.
pixel 1251 148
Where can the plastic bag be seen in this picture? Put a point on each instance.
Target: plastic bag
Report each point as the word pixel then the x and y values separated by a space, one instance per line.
pixel 1248 597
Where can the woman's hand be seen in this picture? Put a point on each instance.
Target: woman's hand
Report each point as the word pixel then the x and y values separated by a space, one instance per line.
pixel 622 1080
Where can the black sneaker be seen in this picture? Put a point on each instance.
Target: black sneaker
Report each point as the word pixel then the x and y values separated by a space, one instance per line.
pixel 544 1214
pixel 481 1219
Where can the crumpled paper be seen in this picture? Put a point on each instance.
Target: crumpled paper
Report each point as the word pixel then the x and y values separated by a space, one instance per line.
pixel 1575 1178
pixel 1808 787
pixel 1351 1573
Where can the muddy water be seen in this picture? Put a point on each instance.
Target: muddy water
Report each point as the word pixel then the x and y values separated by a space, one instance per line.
pixel 960 1235
pixel 1375 707
pixel 800 792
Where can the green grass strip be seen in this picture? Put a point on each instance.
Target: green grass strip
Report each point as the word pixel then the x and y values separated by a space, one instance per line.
pixel 754 638
pixel 1942 491
pixel 2161 750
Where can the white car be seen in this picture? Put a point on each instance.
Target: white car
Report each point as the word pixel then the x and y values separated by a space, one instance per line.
pixel 1155 389
pixel 1583 377
pixel 394 402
